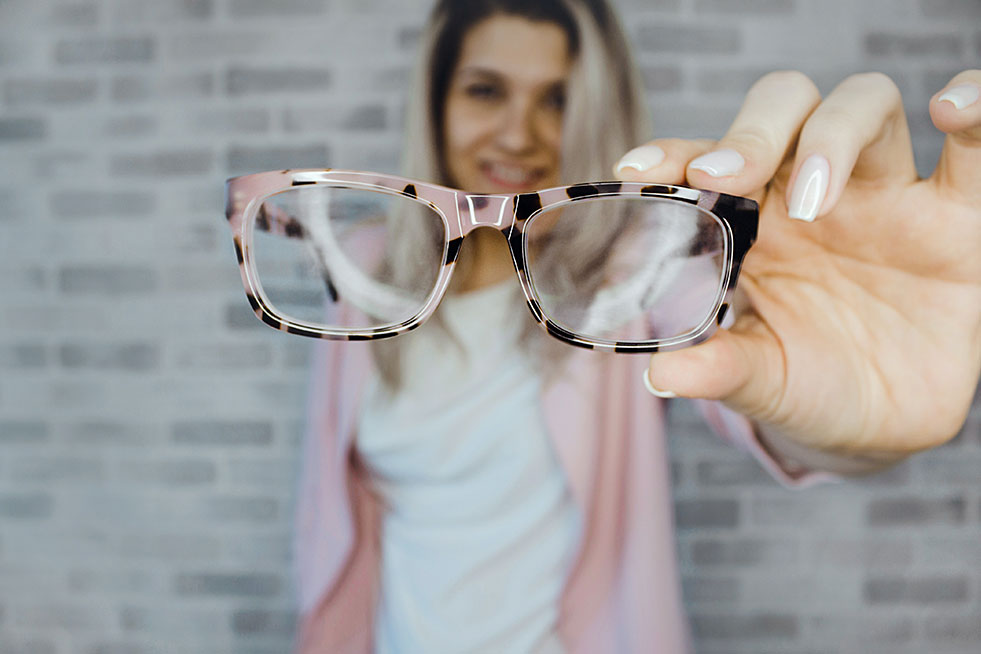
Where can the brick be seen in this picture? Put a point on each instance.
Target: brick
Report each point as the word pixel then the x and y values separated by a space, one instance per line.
pixel 131 357
pixel 710 589
pixel 168 163
pixel 732 473
pixel 744 7
pixel 966 9
pixel 73 617
pixel 25 505
pixel 222 433
pixel 10 644
pixel 85 203
pixel 78 14
pixel 106 280
pixel 862 629
pixel 242 159
pixel 687 39
pixel 18 92
pixel 661 79
pixel 111 50
pixel 101 433
pixel 257 509
pixel 239 317
pixel 744 552
pixel 171 472
pixel 275 474
pixel 220 356
pixel 170 546
pixel 761 626
pixel 241 80
pixel 261 622
pixel 706 513
pixel 921 590
pixel 22 357
pixel 861 552
pixel 154 12
pixel 240 584
pixel 186 86
pixel 110 581
pixel 129 127
pixel 324 118
pixel 884 44
pixel 23 129
pixel 915 511
pixel 954 628
pixel 58 468
pixel 31 432
pixel 265 9
pixel 231 121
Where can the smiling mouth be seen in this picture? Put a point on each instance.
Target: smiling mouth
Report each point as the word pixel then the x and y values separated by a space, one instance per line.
pixel 512 177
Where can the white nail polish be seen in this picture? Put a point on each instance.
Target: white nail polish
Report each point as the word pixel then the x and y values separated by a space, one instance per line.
pixel 810 188
pixel 667 395
pixel 641 158
pixel 721 163
pixel 963 95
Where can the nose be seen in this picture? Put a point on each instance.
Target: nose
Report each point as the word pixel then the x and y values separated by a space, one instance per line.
pixel 516 132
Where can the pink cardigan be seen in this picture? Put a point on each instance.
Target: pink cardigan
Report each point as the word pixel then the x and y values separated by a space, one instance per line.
pixel 623 594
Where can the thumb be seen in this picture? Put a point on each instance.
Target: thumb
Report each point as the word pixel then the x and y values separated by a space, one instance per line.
pixel 743 368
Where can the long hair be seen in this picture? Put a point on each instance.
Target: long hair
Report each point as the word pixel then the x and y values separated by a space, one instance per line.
pixel 605 115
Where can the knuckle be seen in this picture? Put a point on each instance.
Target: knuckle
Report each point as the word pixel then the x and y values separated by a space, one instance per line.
pixel 790 82
pixel 876 83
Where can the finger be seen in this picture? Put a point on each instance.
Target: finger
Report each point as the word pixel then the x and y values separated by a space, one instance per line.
pixel 766 128
pixel 956 110
pixel 860 132
pixel 661 161
pixel 742 367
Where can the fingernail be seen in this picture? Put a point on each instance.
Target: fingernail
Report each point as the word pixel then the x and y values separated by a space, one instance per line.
pixel 641 158
pixel 810 188
pixel 720 163
pixel 667 395
pixel 962 95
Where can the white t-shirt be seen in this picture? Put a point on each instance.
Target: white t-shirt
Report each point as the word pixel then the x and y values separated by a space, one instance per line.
pixel 480 528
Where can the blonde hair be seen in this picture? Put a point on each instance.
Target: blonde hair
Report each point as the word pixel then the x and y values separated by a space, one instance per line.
pixel 605 115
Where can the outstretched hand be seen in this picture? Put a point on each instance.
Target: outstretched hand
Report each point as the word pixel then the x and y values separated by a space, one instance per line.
pixel 861 333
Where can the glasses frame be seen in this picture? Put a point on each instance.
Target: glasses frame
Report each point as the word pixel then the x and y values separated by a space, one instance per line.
pixel 461 213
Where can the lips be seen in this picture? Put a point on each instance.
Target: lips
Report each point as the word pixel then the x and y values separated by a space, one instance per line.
pixel 512 177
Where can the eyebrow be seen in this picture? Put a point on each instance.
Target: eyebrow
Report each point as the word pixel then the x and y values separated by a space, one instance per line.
pixel 481 71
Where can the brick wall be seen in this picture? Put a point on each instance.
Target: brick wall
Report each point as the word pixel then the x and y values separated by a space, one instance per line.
pixel 149 423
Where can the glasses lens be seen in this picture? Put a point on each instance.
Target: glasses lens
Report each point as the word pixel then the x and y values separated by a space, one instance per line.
pixel 346 258
pixel 628 269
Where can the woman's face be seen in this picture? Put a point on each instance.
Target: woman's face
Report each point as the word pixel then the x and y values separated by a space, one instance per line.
pixel 503 116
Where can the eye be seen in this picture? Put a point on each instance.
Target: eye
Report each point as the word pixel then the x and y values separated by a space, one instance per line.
pixel 555 99
pixel 483 91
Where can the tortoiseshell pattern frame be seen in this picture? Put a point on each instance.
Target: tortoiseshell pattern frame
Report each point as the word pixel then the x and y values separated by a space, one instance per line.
pixel 461 213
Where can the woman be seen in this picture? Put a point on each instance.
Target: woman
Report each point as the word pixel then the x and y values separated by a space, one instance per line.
pixel 433 519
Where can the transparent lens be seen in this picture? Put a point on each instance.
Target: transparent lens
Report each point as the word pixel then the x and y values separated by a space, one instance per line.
pixel 628 268
pixel 346 258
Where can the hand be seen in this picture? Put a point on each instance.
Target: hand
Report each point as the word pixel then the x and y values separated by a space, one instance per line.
pixel 862 334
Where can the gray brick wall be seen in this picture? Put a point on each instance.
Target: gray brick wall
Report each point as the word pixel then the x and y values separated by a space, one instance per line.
pixel 149 424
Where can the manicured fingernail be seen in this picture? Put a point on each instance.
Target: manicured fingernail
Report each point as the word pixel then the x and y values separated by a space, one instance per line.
pixel 810 188
pixel 667 395
pixel 642 158
pixel 721 163
pixel 962 95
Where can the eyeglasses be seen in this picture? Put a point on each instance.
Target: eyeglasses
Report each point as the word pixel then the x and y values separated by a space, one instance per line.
pixel 616 266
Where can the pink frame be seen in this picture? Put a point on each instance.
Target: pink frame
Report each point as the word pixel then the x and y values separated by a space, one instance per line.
pixel 461 213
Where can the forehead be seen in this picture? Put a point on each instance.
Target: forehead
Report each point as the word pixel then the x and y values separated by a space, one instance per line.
pixel 517 48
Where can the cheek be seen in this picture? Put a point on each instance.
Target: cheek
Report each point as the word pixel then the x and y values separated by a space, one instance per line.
pixel 465 130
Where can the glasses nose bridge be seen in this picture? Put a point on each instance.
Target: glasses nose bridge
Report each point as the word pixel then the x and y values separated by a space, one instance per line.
pixel 482 210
